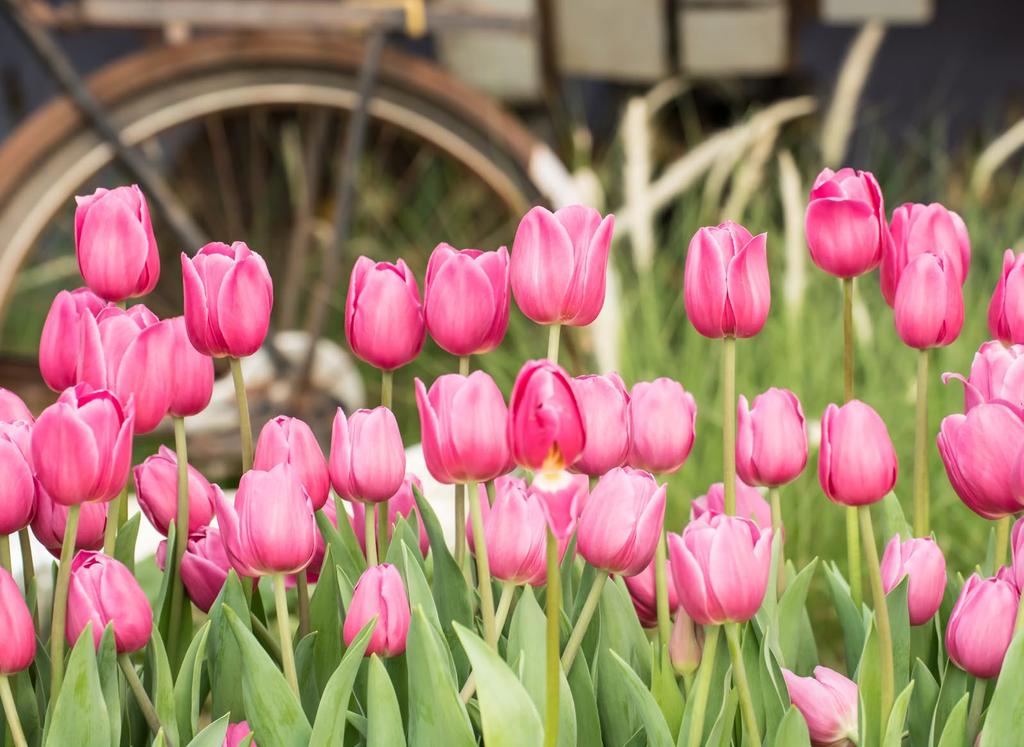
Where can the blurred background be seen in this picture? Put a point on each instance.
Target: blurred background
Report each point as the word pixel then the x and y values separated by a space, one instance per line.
pixel 318 130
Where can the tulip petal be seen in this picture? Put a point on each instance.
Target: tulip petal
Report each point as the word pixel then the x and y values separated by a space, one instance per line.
pixel 541 266
pixel 749 291
pixel 243 306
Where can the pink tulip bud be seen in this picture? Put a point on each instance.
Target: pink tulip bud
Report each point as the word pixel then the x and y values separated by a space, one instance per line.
pixel 980 451
pixel 720 564
pixel 643 592
pixel 82 446
pixel 51 521
pixel 114 243
pixel 156 484
pixel 515 528
pixel 604 403
pixel 464 423
pixel 18 648
pixel 237 734
pixel 384 320
pixel 563 496
pixel 60 344
pixel 661 416
pixel 228 298
pixel 18 489
pixel 685 645
pixel 1005 312
pixel 379 593
pixel 929 303
pixel 559 264
pixel 619 527
pixel 857 462
pixel 921 559
pixel 204 566
pixel 845 223
pixel 771 439
pixel 997 373
pixel 829 703
pixel 270 529
pixel 750 504
pixel 466 299
pixel 367 458
pixel 285 440
pixel 725 285
pixel 104 592
pixel 12 408
pixel 924 229
pixel 401 504
pixel 192 383
pixel 545 426
pixel 981 624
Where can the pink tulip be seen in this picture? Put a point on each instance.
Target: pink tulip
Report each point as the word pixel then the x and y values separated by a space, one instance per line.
pixel 981 624
pixel 924 229
pixel 192 383
pixel 929 303
pixel 857 462
pixel 661 420
pixel 285 440
pixel 720 564
pixel 643 592
pixel 829 703
pixel 18 648
pixel 270 529
pixel 725 286
pixel 384 320
pixel 771 439
pixel 466 299
pixel 156 484
pixel 562 496
pixel 367 458
pixel 379 593
pixel 515 528
pixel 1017 546
pixel 51 521
pixel 228 298
pixel 401 504
pixel 921 559
pixel 104 592
pixel 12 408
pixel 18 490
pixel 619 527
pixel 204 566
pixel 559 264
pixel 545 425
pixel 61 341
pixel 997 373
pixel 845 223
pixel 1006 310
pixel 114 243
pixel 82 446
pixel 464 423
pixel 604 403
pixel 980 451
pixel 237 734
pixel 750 504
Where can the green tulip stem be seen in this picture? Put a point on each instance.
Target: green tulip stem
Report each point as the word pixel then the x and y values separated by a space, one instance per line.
pixel 113 521
pixel 145 704
pixel 888 684
pixel 460 528
pixel 739 675
pixel 703 686
pixel 553 604
pixel 463 365
pixel 387 388
pixel 11 712
pixel 554 334
pixel 5 553
pixel 28 573
pixel 977 705
pixel 60 601
pixel 284 630
pixel 181 521
pixel 302 590
pixel 244 422
pixel 483 567
pixel 777 534
pixel 921 502
pixel 729 422
pixel 1002 541
pixel 661 591
pixel 508 591
pixel 583 622
pixel 370 533
pixel 852 525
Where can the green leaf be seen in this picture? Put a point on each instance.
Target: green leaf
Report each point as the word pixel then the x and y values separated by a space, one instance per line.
pixel 124 545
pixel 869 682
pixel 792 730
pixel 110 681
pixel 774 695
pixel 404 534
pixel 271 708
pixel 665 688
pixel 719 691
pixel 188 687
pixel 897 718
pixel 165 600
pixel 787 627
pixel 899 623
pixel 850 618
pixel 658 734
pixel 223 655
pixel 954 733
pixel 28 704
pixel 922 703
pixel 384 718
pixel 163 687
pixel 1005 715
pixel 892 521
pixel 342 542
pixel 80 713
pixel 213 735
pixel 952 689
pixel 309 694
pixel 331 716
pixel 620 628
pixel 720 732
pixel 325 619
pixel 588 720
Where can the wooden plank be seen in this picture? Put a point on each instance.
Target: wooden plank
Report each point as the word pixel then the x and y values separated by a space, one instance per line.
pixel 611 39
pixel 749 40
pixel 909 12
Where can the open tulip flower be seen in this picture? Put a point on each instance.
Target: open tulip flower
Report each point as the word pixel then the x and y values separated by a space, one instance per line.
pixel 997 373
pixel 604 403
pixel 1005 311
pixel 845 223
pixel 379 594
pixel 514 528
pixel 563 496
pixel 156 485
pixel 929 302
pixel 50 521
pixel 829 703
pixel 546 430
pixel 204 566
pixel 367 460
pixel 750 504
pixel 662 419
pixel 857 462
pixel 61 341
pixel 384 320
pixel 104 592
pixel 924 229
pixel 771 439
pixel 285 440
pixel 922 561
pixel 622 521
pixel 981 624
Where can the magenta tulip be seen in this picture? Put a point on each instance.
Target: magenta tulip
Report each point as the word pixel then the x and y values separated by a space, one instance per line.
pixel 929 303
pixel 750 504
pixel 13 408
pixel 924 229
pixel 18 648
pixel 18 490
pixel 720 564
pixel 367 458
pixel 829 702
pixel 285 440
pixel 401 504
pixel 546 431
pixel 662 419
pixel 51 521
pixel 156 485
pixel 643 592
pixel 847 232
pixel 114 243
pixel 981 624
pixel 228 298
pixel 466 299
pixel 619 528
pixel 922 561
pixel 270 529
pixel 725 286
pixel 771 439
pixel 379 593
pixel 515 528
pixel 562 496
pixel 559 264
pixel 997 373
pixel 980 451
pixel 192 382
pixel 104 592
pixel 204 566
pixel 1006 310
pixel 61 341
pixel 384 320
pixel 82 446
pixel 604 403
pixel 857 462
pixel 237 733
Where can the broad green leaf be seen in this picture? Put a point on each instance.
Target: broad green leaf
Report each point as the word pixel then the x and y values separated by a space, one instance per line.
pixel 326 620
pixel 160 740
pixel 774 695
pixel 405 534
pixel 892 520
pixel 342 541
pixel 658 734
pixel 792 730
pixel 665 688
pixel 28 704
pixel 309 695
pixel 869 682
pixel 213 735
pixel 954 733
pixel 719 689
pixel 719 732
pixel 80 714
pixel 331 716
pixel 897 718
pixel 163 686
pixel 110 681
pixel 922 703
pixel 384 719
pixel 165 601
pixel 124 545
pixel 899 623
pixel 620 628
pixel 223 654
pixel 588 721
pixel 188 687
pixel 1005 715
pixel 791 608
pixel 850 618
pixel 953 687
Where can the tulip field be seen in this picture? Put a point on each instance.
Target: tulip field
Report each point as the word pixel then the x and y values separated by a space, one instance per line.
pixel 788 520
